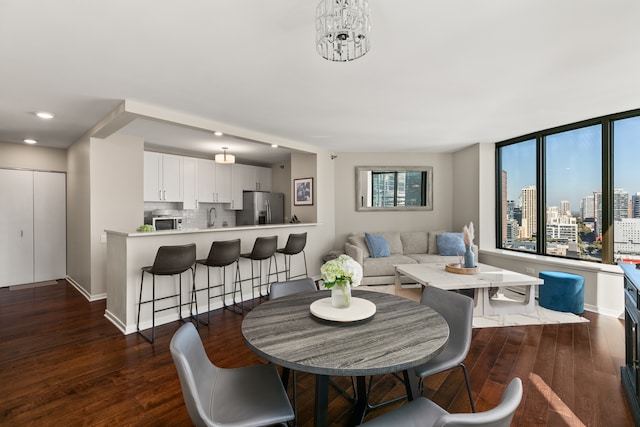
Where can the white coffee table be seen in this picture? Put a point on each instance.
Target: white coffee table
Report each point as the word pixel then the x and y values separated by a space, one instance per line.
pixel 487 277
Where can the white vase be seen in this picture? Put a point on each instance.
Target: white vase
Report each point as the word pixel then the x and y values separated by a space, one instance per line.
pixel 341 295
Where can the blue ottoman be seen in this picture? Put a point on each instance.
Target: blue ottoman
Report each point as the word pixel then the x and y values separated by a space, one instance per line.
pixel 561 292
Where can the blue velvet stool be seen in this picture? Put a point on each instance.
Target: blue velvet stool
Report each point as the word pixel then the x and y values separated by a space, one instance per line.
pixel 561 292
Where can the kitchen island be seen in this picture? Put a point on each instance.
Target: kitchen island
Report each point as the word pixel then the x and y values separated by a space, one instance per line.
pixel 128 252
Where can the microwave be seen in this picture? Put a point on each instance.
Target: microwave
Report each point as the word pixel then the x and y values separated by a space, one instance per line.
pixel 167 223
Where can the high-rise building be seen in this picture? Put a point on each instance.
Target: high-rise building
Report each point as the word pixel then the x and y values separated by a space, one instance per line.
pixel 529 196
pixel 587 207
pixel 620 207
pixel 565 208
pixel 635 205
pixel 504 207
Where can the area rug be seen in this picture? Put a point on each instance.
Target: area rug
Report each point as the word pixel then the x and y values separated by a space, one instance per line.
pixel 541 316
pixel 33 285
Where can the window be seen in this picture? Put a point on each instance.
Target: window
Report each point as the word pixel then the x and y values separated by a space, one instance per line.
pixel 626 189
pixel 556 183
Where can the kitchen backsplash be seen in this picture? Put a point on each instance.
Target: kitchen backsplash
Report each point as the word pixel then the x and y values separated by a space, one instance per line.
pixel 196 218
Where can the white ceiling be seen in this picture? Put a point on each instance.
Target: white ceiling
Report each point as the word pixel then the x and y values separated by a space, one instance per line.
pixel 439 76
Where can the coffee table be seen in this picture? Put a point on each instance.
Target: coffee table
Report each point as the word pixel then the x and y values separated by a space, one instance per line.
pixel 487 277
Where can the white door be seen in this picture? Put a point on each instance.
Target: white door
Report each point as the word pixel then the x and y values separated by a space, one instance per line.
pixel 16 227
pixel 263 178
pixel 50 226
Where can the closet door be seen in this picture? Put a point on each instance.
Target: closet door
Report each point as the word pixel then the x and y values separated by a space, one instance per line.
pixel 16 227
pixel 50 226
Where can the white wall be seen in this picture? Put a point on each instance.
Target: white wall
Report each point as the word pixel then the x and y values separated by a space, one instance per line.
pixel 117 201
pixel 306 165
pixel 79 214
pixel 33 157
pixel 349 220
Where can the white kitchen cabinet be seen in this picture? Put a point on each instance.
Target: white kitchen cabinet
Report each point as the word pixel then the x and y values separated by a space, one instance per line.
pixel 222 183
pixel 162 177
pixel 263 178
pixel 190 181
pixel 206 176
pixel 32 226
pixel 257 178
pixel 237 176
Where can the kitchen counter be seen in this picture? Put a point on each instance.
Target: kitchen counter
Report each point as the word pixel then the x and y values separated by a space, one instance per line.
pixel 127 252
pixel 206 230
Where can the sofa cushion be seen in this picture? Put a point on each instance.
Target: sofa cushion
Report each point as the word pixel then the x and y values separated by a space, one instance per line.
pixel 414 242
pixel 377 245
pixel 450 244
pixel 384 266
pixel 358 240
pixel 434 259
pixel 433 245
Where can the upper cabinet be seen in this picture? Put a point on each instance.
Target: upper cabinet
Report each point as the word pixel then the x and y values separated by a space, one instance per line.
pixel 237 182
pixel 257 178
pixel 214 182
pixel 162 177
pixel 190 179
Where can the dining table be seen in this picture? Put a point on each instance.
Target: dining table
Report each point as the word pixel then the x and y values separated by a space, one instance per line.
pixel 400 335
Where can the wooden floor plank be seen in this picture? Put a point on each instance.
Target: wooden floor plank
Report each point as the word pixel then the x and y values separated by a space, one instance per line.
pixel 63 363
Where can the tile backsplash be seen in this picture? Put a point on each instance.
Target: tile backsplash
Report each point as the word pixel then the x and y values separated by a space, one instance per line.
pixel 195 218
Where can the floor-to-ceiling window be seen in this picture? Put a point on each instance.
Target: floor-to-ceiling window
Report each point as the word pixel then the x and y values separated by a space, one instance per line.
pixel 572 191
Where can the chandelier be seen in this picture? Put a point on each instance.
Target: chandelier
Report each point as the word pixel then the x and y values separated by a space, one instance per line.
pixel 342 29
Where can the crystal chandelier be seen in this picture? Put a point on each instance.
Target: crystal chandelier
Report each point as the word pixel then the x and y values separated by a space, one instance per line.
pixel 342 29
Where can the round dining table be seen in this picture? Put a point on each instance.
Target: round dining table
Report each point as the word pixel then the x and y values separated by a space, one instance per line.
pixel 401 335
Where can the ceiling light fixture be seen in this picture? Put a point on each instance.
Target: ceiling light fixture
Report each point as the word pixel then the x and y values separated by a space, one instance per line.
pixel 274 145
pixel 224 157
pixel 30 141
pixel 44 115
pixel 218 133
pixel 342 29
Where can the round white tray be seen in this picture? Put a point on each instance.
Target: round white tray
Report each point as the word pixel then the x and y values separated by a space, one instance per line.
pixel 360 309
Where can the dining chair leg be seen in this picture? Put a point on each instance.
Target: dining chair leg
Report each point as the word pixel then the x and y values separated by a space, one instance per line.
pixel 466 381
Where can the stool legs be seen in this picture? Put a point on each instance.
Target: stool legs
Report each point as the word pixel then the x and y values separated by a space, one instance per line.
pixel 259 277
pixel 193 299
pixel 287 267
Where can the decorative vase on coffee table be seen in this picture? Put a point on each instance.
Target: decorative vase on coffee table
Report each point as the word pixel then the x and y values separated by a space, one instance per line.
pixel 341 295
pixel 469 258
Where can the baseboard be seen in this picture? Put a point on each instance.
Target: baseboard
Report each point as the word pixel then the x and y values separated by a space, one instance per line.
pixel 84 292
pixel 117 323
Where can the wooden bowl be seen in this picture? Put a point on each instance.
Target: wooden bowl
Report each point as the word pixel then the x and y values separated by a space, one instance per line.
pixel 455 268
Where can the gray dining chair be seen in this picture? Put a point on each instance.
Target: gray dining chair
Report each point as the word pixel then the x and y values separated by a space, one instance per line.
pixel 423 412
pixel 247 396
pixel 282 289
pixel 457 310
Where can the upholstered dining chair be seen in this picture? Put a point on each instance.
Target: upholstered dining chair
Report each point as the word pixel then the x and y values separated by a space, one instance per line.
pixel 422 412
pixel 281 289
pixel 457 310
pixel 247 396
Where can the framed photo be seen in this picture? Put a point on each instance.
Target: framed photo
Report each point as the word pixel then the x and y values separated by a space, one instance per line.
pixel 303 191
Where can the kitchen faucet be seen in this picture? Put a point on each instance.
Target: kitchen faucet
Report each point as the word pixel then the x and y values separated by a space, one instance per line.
pixel 212 217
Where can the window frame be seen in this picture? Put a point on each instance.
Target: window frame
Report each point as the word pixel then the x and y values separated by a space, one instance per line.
pixel 606 124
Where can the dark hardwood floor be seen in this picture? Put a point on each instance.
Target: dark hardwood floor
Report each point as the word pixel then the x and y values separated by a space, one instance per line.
pixel 63 363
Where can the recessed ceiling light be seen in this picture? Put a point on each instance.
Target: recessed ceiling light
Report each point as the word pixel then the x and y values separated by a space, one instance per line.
pixel 274 145
pixel 44 115
pixel 218 133
pixel 30 141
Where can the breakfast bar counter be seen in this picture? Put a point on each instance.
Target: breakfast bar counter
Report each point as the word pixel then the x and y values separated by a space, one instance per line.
pixel 127 252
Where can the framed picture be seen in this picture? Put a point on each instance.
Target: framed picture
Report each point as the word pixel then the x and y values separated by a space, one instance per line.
pixel 303 191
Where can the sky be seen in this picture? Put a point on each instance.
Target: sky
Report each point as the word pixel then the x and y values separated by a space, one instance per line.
pixel 574 163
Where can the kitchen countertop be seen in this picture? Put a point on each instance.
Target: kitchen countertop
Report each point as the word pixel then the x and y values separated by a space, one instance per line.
pixel 206 230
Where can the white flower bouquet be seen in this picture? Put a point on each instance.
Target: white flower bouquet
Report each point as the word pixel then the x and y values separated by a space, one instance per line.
pixel 340 272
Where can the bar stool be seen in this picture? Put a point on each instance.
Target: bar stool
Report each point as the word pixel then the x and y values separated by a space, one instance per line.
pixel 295 245
pixel 222 254
pixel 263 248
pixel 169 261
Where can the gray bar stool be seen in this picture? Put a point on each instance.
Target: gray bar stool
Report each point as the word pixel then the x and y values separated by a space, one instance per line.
pixel 264 248
pixel 295 245
pixel 222 254
pixel 169 261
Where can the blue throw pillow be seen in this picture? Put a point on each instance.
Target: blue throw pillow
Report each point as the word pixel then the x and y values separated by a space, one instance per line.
pixel 450 244
pixel 377 245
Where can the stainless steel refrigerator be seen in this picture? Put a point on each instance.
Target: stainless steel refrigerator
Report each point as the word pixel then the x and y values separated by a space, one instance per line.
pixel 261 207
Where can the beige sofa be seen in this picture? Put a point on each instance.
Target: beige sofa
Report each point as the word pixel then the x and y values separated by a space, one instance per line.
pixel 405 247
